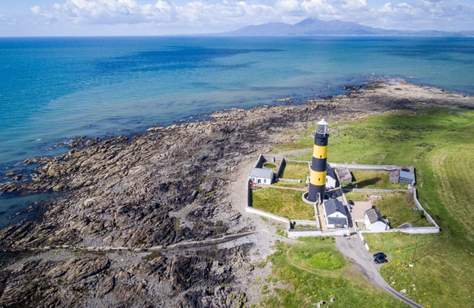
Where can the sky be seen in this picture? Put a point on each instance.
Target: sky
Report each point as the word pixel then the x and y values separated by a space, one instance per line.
pixel 176 17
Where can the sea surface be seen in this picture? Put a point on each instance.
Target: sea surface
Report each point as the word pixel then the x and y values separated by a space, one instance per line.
pixel 54 89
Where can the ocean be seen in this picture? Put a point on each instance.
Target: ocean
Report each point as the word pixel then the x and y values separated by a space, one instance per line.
pixel 53 89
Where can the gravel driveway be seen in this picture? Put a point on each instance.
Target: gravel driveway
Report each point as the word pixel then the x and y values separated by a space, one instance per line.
pixel 353 249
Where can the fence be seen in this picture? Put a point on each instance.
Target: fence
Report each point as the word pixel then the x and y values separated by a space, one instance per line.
pixel 298 234
pixel 411 230
pixel 365 167
pixel 427 215
pixel 267 215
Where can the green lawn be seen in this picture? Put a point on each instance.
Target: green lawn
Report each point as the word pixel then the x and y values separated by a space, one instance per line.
pixel 357 196
pixel 433 271
pixel 373 179
pixel 269 166
pixel 400 208
pixel 312 271
pixel 297 171
pixel 440 144
pixel 282 202
pixel 291 184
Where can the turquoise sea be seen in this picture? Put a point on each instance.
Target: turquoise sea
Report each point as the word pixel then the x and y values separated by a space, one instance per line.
pixel 52 89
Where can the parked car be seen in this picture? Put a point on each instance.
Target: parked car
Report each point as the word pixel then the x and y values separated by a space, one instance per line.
pixel 380 258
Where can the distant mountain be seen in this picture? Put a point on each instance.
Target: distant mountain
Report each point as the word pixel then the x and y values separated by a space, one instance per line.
pixel 316 27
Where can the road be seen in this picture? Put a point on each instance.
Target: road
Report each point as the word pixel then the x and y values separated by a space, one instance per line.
pixel 353 248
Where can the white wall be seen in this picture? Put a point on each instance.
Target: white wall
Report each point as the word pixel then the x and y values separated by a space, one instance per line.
pixel 338 215
pixel 262 181
pixel 378 226
pixel 330 182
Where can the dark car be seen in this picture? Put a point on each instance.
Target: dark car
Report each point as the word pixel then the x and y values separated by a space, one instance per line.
pixel 380 258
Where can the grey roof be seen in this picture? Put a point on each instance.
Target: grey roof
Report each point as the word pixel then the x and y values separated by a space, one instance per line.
pixel 262 173
pixel 344 174
pixel 407 175
pixel 337 221
pixel 332 206
pixel 373 215
pixel 394 176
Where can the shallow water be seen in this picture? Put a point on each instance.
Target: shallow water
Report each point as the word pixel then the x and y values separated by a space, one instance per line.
pixel 12 208
pixel 55 88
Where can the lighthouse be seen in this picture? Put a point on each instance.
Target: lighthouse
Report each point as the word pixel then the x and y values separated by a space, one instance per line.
pixel 317 183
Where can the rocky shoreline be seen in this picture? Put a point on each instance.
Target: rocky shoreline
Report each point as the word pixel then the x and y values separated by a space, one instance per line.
pixel 166 186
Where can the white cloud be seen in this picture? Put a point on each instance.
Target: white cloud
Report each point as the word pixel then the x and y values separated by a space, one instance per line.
pixel 161 11
pixel 318 7
pixel 107 11
pixel 288 5
pixel 355 4
pixel 216 15
pixel 36 9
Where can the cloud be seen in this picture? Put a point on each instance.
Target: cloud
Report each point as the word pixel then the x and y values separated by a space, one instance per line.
pixel 288 5
pixel 216 15
pixel 106 11
pixel 318 7
pixel 355 4
pixel 161 11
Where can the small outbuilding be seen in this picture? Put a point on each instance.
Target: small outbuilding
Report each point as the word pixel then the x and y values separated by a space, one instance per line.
pixel 262 176
pixel 267 169
pixel 407 176
pixel 344 175
pixel 374 222
pixel 335 213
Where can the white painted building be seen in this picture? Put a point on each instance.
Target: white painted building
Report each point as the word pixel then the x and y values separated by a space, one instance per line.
pixel 335 214
pixel 261 176
pixel 374 222
pixel 330 182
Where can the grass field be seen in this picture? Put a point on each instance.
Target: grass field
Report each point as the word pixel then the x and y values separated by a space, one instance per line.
pixel 373 179
pixel 433 271
pixel 298 171
pixel 291 184
pixel 313 271
pixel 282 202
pixel 440 144
pixel 357 196
pixel 400 208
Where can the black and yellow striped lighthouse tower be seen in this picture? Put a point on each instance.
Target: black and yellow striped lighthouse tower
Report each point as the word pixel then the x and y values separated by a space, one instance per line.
pixel 317 183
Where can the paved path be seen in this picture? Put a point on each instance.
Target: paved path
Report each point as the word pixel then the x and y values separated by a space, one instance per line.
pixel 353 248
pixel 180 245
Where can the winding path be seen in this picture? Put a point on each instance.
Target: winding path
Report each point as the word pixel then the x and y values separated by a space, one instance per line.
pixel 353 249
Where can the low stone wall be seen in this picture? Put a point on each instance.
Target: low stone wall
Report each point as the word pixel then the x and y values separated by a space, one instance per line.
pixel 298 234
pixel 374 190
pixel 267 215
pixel 427 215
pixel 365 167
pixel 298 161
pixel 289 180
pixel 306 222
pixel 420 230
pixel 412 230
